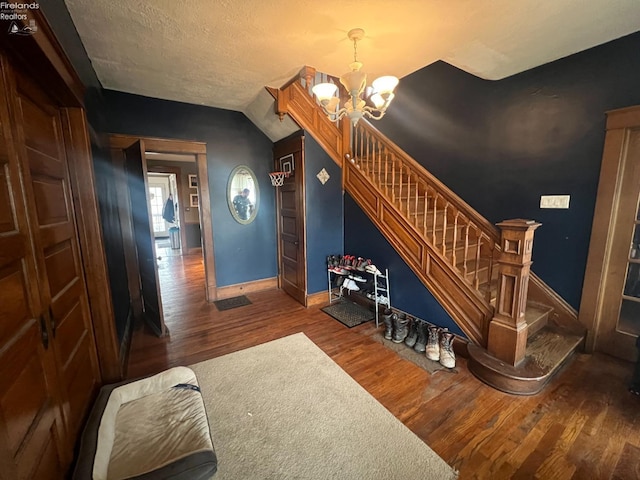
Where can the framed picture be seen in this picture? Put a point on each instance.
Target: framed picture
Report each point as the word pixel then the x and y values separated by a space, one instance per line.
pixel 193 182
pixel 193 197
pixel 287 164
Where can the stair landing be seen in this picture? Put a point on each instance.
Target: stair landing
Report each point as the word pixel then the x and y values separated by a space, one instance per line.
pixel 547 352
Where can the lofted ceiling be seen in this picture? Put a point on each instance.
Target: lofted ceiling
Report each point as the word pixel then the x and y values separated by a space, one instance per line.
pixel 222 53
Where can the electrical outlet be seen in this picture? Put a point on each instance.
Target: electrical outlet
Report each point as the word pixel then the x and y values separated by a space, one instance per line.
pixel 554 201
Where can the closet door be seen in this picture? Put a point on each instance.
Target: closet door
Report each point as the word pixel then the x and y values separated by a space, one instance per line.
pixel 41 150
pixel 31 429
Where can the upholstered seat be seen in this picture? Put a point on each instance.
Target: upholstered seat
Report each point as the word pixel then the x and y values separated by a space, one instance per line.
pixel 152 428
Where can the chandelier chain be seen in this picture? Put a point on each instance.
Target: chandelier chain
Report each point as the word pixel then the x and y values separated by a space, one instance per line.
pixel 355 49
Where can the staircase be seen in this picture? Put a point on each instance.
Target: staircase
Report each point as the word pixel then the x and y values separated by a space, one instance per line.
pixel 520 331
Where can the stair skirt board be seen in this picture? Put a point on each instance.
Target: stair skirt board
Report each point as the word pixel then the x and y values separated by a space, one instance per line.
pixel 547 352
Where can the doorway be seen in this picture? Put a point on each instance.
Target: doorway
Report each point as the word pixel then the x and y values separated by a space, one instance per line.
pixel 169 159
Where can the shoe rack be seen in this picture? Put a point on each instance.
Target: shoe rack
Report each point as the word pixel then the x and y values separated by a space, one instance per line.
pixel 361 277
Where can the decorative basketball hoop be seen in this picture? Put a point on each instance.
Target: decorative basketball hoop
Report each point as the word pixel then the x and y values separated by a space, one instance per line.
pixel 277 178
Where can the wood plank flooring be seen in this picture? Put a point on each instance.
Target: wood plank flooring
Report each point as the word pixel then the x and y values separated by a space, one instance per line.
pixel 584 425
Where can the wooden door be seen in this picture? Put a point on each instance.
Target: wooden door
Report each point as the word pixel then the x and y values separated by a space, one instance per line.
pixel 41 149
pixel 620 316
pixel 143 231
pixel 31 425
pixel 610 305
pixel 291 219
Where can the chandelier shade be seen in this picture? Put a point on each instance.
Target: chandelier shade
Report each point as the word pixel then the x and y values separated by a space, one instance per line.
pixel 379 95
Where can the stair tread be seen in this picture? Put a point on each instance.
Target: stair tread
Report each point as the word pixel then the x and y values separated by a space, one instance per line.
pixel 535 313
pixel 547 351
pixel 550 346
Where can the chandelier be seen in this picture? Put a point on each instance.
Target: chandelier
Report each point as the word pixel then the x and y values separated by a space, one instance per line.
pixel 371 102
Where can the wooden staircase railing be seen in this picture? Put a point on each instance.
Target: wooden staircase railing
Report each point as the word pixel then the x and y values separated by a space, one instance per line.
pixel 449 245
pixel 453 249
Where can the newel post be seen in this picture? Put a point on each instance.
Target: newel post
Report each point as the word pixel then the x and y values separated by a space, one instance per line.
pixel 508 329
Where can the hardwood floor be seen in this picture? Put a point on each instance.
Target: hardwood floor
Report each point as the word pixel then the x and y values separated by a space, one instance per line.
pixel 584 425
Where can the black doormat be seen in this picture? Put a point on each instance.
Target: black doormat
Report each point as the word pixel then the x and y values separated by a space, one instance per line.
pixel 349 313
pixel 233 302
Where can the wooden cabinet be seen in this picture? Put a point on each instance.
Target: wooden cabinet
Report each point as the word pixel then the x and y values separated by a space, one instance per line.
pixel 610 305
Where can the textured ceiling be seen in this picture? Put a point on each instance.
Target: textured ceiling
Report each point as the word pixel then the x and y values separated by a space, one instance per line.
pixel 222 53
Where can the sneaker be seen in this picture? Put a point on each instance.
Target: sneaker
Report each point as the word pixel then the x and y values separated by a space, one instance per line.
pixel 362 264
pixel 372 269
pixel 351 285
pixel 433 346
pixel 447 356
pixel 382 300
pixel 357 278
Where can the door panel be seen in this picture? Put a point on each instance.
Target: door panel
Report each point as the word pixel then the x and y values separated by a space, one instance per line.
pixel 31 426
pixel 291 216
pixel 143 231
pixel 40 144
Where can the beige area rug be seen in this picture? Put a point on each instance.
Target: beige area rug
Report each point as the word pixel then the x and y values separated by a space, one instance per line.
pixel 285 410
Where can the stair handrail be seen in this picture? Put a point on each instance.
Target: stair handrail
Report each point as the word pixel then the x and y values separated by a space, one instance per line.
pixel 490 230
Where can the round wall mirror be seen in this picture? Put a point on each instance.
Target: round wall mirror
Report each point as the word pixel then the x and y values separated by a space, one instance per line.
pixel 243 194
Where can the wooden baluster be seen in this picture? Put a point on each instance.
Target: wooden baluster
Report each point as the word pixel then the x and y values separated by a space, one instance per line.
pixel 379 156
pixel 386 174
pixel 361 144
pixel 476 279
pixel 376 162
pixel 425 210
pixel 393 178
pixel 368 159
pixel 465 268
pixel 444 229
pixel 408 193
pixel 435 214
pixel 455 239
pixel 400 183
pixel 417 198
pixel 490 272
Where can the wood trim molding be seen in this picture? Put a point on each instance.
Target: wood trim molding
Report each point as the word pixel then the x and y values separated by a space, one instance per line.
pixel 206 227
pixel 42 56
pixel 296 101
pixel 90 234
pixel 247 287
pixel 317 299
pixel 118 142
pixel 604 218
pixel 164 145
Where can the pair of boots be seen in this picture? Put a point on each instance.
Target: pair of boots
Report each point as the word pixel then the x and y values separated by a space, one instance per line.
pixel 417 335
pixel 395 326
pixel 436 342
pixel 440 347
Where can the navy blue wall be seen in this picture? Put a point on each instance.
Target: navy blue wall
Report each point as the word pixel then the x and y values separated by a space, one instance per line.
pixel 242 252
pixel 324 214
pixel 500 145
pixel 407 291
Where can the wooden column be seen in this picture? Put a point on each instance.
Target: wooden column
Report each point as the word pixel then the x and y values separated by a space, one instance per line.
pixel 508 328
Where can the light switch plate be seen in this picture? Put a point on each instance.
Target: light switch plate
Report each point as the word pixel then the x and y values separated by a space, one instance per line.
pixel 554 201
